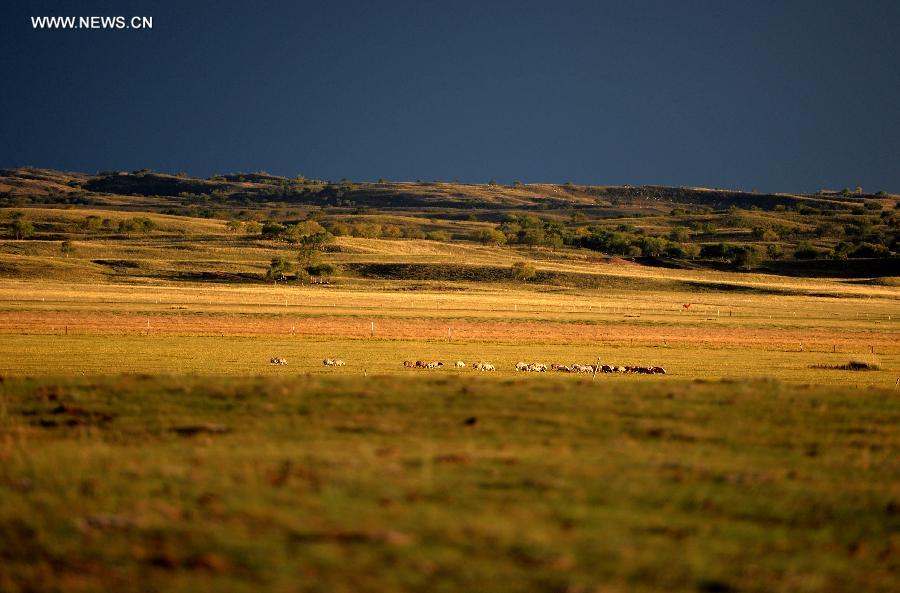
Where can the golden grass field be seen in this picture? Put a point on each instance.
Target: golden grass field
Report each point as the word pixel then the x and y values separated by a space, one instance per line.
pixel 46 327
pixel 146 443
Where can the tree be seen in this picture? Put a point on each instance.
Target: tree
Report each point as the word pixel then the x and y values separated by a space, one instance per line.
pixel 137 224
pixel 321 270
pixel 523 271
pixel 533 236
pixel 443 236
pixel 279 268
pixel 66 248
pixel 91 222
pixel 338 229
pixel 251 227
pixel 311 247
pixel 690 250
pixel 22 229
pixel 745 256
pixel 680 234
pixel 714 251
pixel 806 251
pixel 870 250
pixel 490 237
pixel 391 231
pixel 652 245
pixel 234 226
pixel 413 232
pixel 769 235
pixel 272 230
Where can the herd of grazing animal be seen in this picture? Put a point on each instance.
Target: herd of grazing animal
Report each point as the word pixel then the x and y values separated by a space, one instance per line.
pixel 605 368
pixel 531 367
pixel 421 364
pixel 524 367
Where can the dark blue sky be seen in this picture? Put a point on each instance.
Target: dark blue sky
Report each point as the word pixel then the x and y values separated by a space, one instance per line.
pixel 774 95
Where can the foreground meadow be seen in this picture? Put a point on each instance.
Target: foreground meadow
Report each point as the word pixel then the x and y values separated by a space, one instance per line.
pixel 315 483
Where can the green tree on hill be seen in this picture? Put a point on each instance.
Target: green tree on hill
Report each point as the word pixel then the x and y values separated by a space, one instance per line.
pixel 680 234
pixel 310 248
pixel 137 224
pixel 279 268
pixel 490 237
pixel 321 271
pixel 745 256
pixel 442 236
pixel 523 271
pixel 807 251
pixel 272 230
pixel 22 229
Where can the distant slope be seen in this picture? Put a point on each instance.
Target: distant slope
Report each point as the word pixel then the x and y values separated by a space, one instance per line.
pixel 259 187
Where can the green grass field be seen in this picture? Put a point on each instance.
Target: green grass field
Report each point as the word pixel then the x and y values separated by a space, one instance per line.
pixel 314 483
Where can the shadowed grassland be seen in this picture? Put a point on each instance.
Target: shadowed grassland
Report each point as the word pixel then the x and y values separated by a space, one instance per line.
pixel 340 484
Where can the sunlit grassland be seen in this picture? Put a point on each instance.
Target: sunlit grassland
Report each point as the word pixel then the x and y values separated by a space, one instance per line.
pixel 50 327
pixel 235 355
pixel 146 443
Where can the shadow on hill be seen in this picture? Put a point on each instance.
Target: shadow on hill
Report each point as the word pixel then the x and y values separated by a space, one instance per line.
pixel 830 268
pixel 498 274
pixel 218 277
pixel 152 184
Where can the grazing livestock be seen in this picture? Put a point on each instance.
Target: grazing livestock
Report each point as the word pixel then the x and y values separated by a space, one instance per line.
pixel 339 363
pixel 408 364
pixel 534 367
pixel 483 366
pixel 328 362
pixel 460 364
pixel 333 362
pixel 277 360
pixel 605 368
pixel 421 364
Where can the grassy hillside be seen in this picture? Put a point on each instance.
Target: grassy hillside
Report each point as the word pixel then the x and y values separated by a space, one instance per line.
pixel 676 227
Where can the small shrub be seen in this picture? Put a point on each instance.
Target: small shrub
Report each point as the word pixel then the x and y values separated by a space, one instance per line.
pixel 523 271
pixel 438 236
